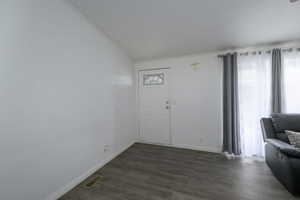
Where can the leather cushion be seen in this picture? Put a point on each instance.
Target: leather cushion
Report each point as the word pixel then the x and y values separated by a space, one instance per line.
pixel 291 152
pixel 285 148
pixel 283 137
pixel 282 122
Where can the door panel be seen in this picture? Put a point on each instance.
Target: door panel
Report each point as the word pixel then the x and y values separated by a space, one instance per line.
pixel 154 106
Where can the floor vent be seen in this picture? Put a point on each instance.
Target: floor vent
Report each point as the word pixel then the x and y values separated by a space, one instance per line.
pixel 92 181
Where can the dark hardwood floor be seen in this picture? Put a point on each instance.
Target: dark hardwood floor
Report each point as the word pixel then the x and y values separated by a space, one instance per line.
pixel 150 172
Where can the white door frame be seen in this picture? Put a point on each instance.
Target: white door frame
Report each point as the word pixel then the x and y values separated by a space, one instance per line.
pixel 138 103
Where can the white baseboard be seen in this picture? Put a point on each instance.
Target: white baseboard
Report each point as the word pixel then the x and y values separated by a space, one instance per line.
pixel 85 175
pixel 199 148
pixel 182 146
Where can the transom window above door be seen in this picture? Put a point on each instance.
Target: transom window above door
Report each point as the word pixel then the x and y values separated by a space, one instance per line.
pixel 153 79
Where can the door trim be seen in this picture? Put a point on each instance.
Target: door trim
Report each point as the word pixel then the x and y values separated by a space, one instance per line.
pixel 153 69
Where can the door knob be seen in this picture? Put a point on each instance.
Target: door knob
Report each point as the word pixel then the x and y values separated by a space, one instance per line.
pixel 167 107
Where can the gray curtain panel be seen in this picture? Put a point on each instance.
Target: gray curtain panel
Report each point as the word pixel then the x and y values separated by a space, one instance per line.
pixel 276 99
pixel 231 133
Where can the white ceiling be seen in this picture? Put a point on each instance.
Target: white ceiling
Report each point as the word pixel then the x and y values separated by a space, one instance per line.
pixel 149 29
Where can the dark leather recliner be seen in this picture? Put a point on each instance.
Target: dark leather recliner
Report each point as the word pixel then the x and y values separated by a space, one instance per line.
pixel 281 157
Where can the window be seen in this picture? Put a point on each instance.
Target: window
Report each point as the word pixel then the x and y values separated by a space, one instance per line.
pixel 254 88
pixel 153 79
pixel 291 81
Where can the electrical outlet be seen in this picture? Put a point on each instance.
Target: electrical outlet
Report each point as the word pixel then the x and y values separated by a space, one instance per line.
pixel 106 148
pixel 201 140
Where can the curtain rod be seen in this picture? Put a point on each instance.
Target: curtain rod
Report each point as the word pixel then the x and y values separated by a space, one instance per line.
pixel 260 52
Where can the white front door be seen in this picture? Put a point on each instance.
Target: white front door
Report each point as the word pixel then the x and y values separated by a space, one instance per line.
pixel 154 106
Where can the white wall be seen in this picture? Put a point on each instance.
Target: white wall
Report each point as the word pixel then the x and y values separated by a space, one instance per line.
pixel 196 95
pixel 65 91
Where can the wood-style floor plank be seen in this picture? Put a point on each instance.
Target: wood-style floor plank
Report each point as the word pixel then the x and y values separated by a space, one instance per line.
pixel 151 172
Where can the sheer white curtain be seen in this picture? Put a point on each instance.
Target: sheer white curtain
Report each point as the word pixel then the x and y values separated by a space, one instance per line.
pixel 254 86
pixel 291 81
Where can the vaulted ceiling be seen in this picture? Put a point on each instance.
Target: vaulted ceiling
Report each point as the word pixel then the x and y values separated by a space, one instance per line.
pixel 148 29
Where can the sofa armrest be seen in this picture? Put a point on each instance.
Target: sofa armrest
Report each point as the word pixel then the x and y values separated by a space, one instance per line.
pixel 267 128
pixel 285 148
